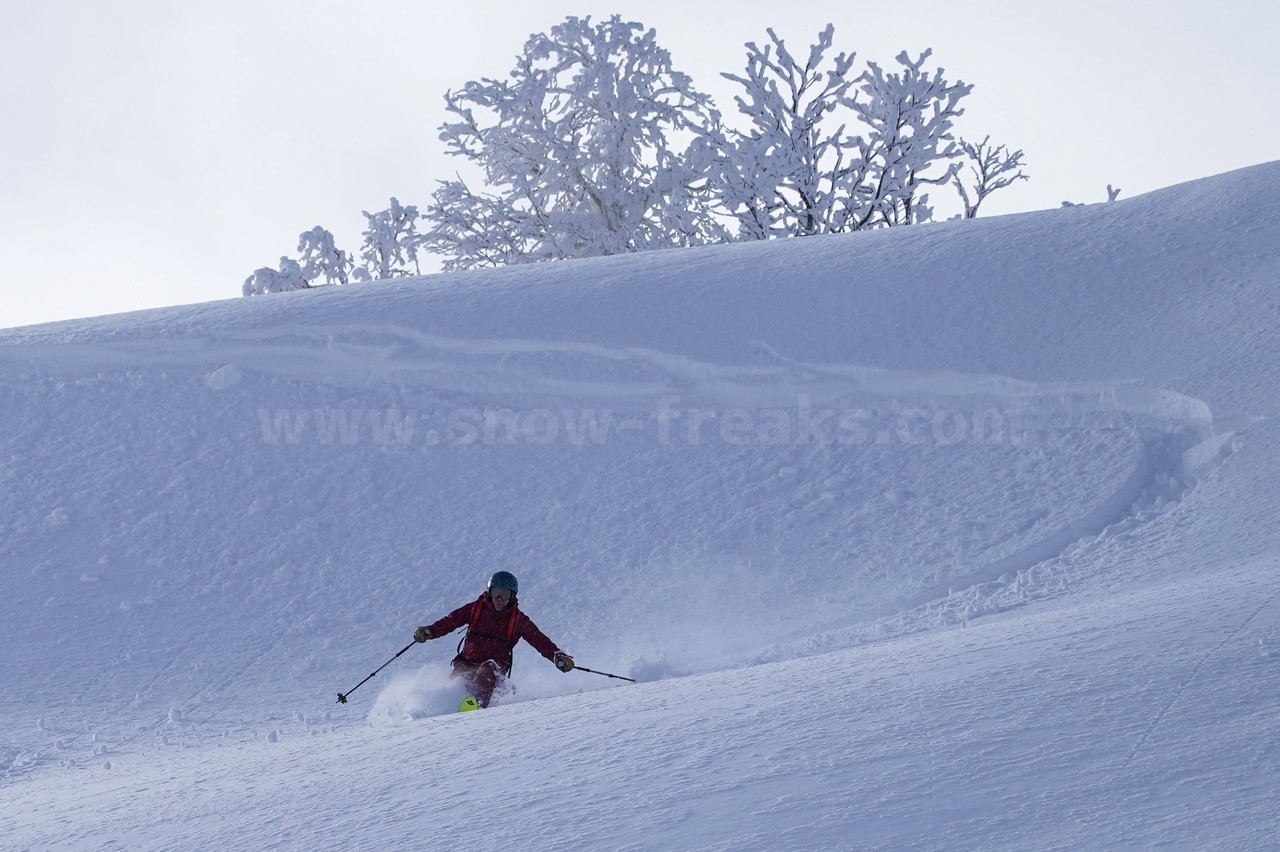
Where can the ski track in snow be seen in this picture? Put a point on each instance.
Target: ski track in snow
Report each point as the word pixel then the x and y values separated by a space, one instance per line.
pixel 402 355
pixel 363 356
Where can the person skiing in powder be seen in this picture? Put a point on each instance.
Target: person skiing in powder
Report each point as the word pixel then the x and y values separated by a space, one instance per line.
pixel 494 625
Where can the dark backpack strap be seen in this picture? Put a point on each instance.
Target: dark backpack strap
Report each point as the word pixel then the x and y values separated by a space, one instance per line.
pixel 513 625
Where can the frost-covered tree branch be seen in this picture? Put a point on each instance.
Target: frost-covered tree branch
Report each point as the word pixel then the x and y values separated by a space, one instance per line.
pixel 391 242
pixel 796 171
pixel 320 257
pixel 578 150
pixel 780 177
pixel 1112 194
pixel 910 115
pixel 990 169
pixel 267 280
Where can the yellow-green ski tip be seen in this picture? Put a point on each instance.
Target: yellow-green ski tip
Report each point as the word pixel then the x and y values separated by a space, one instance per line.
pixel 468 703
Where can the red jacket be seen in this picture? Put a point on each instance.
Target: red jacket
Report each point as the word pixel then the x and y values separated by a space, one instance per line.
pixel 488 640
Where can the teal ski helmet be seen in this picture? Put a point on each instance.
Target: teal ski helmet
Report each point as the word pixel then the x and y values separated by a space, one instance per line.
pixel 504 580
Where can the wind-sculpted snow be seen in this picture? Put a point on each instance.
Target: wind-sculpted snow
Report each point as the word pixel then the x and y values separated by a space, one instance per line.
pixel 952 537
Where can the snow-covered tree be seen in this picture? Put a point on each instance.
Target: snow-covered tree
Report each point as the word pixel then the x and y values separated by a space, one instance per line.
pixel 578 148
pixel 782 177
pixel 910 144
pixel 391 242
pixel 796 171
pixel 990 169
pixel 267 280
pixel 320 257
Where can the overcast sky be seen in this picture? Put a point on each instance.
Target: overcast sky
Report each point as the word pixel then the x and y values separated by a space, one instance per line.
pixel 155 153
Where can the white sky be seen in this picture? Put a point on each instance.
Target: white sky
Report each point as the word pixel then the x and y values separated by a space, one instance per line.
pixel 155 153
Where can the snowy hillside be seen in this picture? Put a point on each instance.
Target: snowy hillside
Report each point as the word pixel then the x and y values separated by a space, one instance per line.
pixel 956 536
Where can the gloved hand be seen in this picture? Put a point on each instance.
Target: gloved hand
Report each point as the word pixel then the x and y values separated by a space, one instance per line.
pixel 563 661
pixel 422 634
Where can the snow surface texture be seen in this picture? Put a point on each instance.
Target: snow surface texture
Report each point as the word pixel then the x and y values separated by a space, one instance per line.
pixel 956 536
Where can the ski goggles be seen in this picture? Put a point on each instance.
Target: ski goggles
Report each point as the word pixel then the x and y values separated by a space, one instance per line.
pixel 501 594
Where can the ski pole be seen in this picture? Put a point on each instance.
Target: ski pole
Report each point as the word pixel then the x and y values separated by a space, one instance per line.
pixel 606 674
pixel 342 696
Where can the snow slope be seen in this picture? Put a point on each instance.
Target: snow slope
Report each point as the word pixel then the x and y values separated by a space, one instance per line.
pixel 947 537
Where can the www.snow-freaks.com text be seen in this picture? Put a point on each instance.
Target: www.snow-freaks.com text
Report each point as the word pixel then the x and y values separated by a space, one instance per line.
pixel 669 422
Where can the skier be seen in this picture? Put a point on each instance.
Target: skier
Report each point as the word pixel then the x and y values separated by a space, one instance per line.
pixel 494 625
